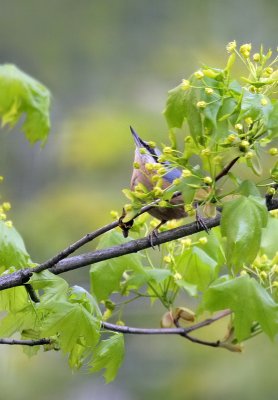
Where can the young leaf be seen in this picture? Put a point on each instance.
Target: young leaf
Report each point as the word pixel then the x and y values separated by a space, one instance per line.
pixel 72 322
pixel 106 275
pixel 249 301
pixel 20 94
pixel 242 221
pixel 197 268
pixel 109 354
pixel 175 107
pixel 12 248
pixel 255 106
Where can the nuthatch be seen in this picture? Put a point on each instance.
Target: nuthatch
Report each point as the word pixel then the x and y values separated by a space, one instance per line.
pixel 144 176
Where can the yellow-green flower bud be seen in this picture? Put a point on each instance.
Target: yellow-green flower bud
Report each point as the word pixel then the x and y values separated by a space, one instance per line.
pixel 264 101
pixel 201 104
pixel 114 214
pixel 268 71
pixel 249 121
pixel 273 151
pixel 256 57
pixel 136 165
pixel 167 150
pixel 176 181
pixel 249 154
pixel 231 46
pixel 231 138
pixel 245 50
pixel 167 259
pixel 199 74
pixel 149 166
pixel 6 206
pixel 209 90
pixel 162 171
pixel 163 203
pixel 206 152
pixel 186 173
pixel 187 242
pixel 155 178
pixel 244 145
pixel 177 276
pixel 9 224
pixel 1 178
pixel 157 191
pixel 239 127
pixel 128 207
pixel 207 180
pixel 185 84
pixel 3 216
pixel 152 144
pixel 142 150
pixel 203 240
pixel 263 275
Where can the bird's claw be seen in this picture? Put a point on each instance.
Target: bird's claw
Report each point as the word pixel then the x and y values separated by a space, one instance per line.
pixel 153 234
pixel 201 222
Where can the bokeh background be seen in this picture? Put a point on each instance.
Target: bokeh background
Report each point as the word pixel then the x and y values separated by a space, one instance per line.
pixel 109 64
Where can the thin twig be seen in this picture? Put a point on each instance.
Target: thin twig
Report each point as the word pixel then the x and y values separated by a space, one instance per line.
pixel 226 169
pixel 184 332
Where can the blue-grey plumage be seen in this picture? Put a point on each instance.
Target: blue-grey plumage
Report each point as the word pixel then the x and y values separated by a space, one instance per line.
pixel 144 176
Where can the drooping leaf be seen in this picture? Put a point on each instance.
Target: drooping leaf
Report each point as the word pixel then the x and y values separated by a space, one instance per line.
pixel 12 249
pixel 249 301
pixel 109 354
pixel 242 221
pixel 269 237
pixel 22 95
pixel 175 107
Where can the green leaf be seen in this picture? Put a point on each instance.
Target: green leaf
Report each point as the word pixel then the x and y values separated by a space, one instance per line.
pixel 175 107
pixel 18 321
pixel 20 94
pixel 193 116
pixel 249 301
pixel 273 121
pixel 242 221
pixel 106 275
pixel 54 287
pixel 109 354
pixel 12 248
pixel 252 106
pixel 269 237
pixel 14 299
pixel 197 268
pixel 72 322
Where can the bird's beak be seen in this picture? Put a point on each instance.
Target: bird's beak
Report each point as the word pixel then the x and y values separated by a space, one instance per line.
pixel 138 141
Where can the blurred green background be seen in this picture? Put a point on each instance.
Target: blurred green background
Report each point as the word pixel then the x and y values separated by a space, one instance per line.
pixel 109 64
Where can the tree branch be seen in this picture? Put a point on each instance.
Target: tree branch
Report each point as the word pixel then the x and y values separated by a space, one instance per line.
pixel 30 342
pixel 184 332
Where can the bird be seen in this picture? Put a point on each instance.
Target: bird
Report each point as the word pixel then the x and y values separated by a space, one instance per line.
pixel 143 176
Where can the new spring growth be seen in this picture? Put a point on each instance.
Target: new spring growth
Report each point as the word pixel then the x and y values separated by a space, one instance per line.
pixel 273 151
pixel 256 57
pixel 209 90
pixel 207 180
pixel 199 74
pixel 201 104
pixel 203 240
pixel 187 242
pixel 245 50
pixel 231 46
pixel 264 101
pixel 186 173
pixel 185 84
